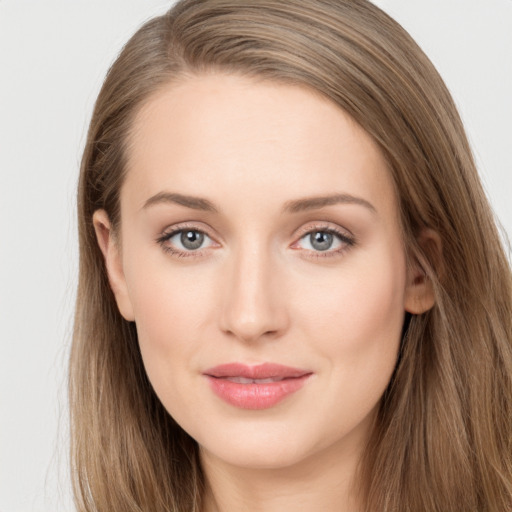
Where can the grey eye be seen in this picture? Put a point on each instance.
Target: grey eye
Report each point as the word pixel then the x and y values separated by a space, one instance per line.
pixel 191 240
pixel 321 240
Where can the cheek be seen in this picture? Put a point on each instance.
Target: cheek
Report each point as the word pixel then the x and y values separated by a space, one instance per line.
pixel 170 308
pixel 354 325
pixel 357 314
pixel 168 300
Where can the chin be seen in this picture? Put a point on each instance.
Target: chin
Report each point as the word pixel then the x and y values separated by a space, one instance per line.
pixel 264 444
pixel 257 456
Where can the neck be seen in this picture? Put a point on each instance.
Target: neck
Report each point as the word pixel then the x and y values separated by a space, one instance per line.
pixel 324 482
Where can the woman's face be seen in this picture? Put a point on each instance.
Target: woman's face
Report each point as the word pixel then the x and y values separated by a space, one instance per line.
pixel 260 227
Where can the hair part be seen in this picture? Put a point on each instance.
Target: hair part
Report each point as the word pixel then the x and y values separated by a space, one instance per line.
pixel 442 440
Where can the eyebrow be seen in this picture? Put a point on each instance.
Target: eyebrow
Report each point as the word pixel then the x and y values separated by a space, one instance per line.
pixel 295 206
pixel 196 203
pixel 314 203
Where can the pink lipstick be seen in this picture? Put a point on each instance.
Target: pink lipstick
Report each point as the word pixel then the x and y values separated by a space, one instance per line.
pixel 255 387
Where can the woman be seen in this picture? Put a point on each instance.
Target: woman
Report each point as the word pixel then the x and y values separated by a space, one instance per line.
pixel 292 291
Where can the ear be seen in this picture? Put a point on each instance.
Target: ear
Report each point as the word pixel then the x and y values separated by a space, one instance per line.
pixel 419 293
pixel 113 262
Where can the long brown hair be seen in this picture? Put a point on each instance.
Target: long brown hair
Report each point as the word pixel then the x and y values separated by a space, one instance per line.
pixel 443 438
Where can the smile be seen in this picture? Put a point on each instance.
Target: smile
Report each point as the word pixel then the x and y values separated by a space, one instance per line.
pixel 255 387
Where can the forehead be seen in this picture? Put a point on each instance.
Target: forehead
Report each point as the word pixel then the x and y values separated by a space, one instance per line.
pixel 230 137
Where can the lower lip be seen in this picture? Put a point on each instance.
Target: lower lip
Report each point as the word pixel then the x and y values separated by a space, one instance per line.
pixel 256 396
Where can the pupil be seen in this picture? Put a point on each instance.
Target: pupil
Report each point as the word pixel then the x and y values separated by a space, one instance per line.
pixel 192 239
pixel 321 240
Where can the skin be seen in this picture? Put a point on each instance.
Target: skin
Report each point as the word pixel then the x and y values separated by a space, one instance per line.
pixel 258 290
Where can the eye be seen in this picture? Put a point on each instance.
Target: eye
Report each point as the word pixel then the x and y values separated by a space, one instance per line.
pixel 185 240
pixel 325 240
pixel 320 241
pixel 189 240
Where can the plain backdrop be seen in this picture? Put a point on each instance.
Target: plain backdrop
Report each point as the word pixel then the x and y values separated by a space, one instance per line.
pixel 53 57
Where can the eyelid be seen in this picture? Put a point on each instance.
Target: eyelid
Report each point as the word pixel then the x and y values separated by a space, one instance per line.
pixel 323 226
pixel 175 229
pixel 346 238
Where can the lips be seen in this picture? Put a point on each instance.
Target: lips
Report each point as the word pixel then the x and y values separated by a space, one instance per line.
pixel 255 387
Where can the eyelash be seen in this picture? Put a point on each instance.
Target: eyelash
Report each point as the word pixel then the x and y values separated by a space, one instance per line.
pixel 348 241
pixel 166 236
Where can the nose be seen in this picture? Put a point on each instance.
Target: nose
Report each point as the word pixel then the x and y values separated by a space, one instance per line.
pixel 253 302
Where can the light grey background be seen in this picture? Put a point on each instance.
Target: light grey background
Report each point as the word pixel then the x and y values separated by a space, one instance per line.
pixel 53 56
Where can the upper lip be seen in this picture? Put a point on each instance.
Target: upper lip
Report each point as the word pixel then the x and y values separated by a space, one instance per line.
pixel 260 371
